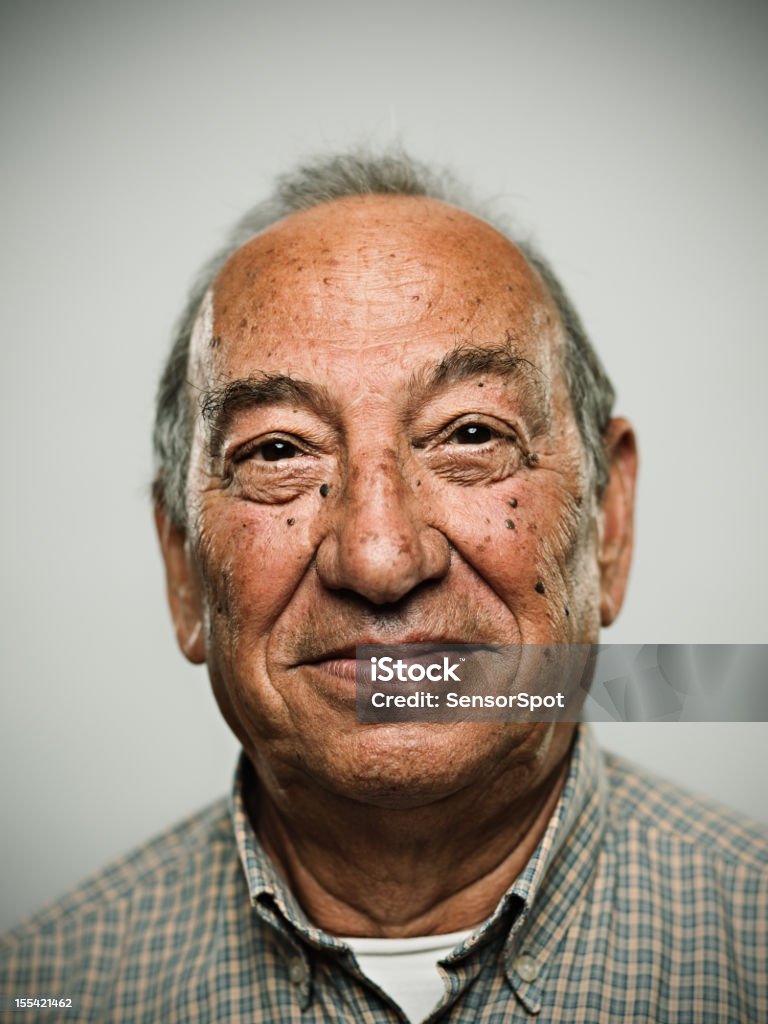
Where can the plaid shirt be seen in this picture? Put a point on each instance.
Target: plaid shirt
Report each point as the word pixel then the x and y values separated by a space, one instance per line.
pixel 641 903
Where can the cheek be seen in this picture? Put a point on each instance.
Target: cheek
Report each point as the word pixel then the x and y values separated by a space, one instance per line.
pixel 524 541
pixel 252 561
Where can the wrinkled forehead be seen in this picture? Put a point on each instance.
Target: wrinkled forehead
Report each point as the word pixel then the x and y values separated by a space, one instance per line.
pixel 365 273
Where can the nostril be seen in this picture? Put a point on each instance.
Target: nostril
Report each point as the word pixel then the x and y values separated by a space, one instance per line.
pixel 384 614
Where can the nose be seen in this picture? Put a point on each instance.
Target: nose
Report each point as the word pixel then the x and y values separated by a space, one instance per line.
pixel 378 544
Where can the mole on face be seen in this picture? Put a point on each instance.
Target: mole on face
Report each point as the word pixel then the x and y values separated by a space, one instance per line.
pixel 539 588
pixel 291 522
pixel 513 502
pixel 509 524
pixel 324 489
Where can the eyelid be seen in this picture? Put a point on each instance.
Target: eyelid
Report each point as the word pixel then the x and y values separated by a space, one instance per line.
pixel 499 427
pixel 239 453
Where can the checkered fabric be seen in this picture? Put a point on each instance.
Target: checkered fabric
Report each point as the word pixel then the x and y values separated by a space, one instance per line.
pixel 641 903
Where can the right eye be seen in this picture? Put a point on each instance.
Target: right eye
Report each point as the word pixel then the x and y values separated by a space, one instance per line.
pixel 273 469
pixel 274 451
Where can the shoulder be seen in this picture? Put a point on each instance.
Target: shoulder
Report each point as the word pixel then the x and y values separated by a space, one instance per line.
pixel 197 840
pixel 658 812
pixel 164 880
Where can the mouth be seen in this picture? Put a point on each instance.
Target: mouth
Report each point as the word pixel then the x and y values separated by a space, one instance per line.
pixel 343 662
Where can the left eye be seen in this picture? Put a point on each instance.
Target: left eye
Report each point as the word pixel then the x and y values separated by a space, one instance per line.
pixel 472 433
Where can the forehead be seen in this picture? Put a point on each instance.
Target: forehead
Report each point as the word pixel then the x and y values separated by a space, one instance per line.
pixel 374 278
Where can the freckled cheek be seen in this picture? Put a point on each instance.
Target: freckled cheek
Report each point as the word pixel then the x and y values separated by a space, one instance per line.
pixel 503 539
pixel 252 565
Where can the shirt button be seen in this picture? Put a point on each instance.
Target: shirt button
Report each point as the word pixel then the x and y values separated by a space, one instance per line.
pixel 526 967
pixel 297 972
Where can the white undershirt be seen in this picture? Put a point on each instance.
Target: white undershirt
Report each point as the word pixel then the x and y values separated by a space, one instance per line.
pixel 406 969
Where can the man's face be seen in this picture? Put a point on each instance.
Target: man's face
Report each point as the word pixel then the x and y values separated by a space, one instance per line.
pixel 387 453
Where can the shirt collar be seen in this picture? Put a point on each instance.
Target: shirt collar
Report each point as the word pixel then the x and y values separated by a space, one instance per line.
pixel 541 901
pixel 558 873
pixel 268 891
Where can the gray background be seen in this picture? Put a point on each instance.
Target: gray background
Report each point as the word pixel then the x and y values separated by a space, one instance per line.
pixel 630 138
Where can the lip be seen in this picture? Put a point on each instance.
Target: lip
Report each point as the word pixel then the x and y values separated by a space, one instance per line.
pixel 349 651
pixel 342 663
pixel 341 668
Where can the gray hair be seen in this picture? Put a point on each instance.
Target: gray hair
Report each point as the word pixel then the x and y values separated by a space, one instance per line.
pixel 321 181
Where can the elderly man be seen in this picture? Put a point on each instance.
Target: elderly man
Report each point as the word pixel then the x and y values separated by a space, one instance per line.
pixel 382 423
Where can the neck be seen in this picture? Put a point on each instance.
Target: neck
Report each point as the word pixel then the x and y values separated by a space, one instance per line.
pixel 359 869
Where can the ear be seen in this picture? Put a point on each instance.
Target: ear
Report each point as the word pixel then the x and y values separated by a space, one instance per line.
pixel 617 509
pixel 182 588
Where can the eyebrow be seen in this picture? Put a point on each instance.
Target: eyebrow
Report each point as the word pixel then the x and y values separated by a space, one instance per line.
pixel 219 406
pixel 465 362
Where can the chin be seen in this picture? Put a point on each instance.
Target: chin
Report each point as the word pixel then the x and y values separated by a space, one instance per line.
pixel 409 764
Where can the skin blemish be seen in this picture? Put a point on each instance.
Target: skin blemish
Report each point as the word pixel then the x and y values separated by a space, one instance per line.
pixel 513 502
pixel 509 524
pixel 324 489
pixel 567 611
pixel 326 280
pixel 531 458
pixel 539 588
pixel 480 385
pixel 222 602
pixel 415 298
pixel 215 342
pixel 291 522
